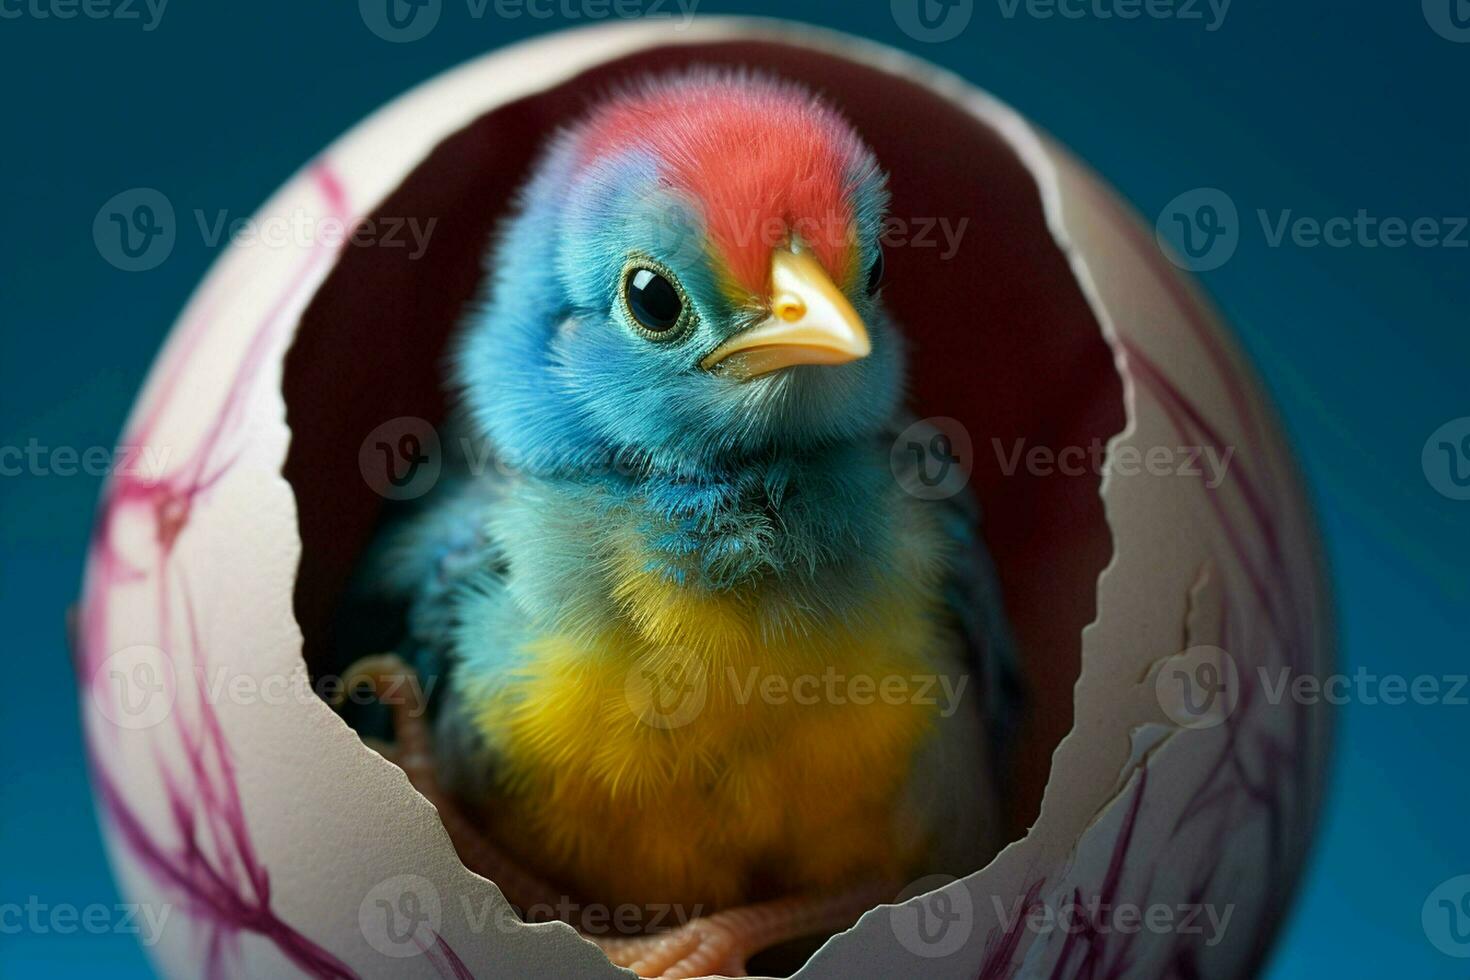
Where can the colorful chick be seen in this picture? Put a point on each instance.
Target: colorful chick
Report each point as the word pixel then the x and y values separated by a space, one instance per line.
pixel 701 648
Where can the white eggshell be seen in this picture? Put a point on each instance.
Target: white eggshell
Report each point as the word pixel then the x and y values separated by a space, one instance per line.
pixel 271 833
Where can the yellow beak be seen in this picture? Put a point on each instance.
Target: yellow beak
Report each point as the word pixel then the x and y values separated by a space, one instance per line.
pixel 811 322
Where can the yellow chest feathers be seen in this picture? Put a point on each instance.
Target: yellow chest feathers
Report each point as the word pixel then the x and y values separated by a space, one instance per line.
pixel 703 750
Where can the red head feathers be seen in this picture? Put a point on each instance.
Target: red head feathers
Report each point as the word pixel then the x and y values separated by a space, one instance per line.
pixel 767 160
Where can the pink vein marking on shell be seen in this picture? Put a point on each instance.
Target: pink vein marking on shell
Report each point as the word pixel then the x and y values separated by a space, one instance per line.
pixel 1259 500
pixel 186 869
pixel 1093 938
pixel 446 961
pixel 219 875
pixel 1001 944
pixel 1179 294
pixel 172 497
pixel 172 506
pixel 1228 784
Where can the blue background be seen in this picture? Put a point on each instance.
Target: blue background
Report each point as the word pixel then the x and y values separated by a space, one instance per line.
pixel 1322 108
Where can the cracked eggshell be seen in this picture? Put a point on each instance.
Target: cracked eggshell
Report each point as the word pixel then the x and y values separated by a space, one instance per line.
pixel 1152 769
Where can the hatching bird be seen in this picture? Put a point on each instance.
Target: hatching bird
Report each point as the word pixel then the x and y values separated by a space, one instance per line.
pixel 701 648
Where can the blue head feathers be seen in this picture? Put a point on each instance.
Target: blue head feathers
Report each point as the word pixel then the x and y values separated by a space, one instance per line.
pixel 690 282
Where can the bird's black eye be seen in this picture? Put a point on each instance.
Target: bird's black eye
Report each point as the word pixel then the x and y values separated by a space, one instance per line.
pixel 655 303
pixel 875 272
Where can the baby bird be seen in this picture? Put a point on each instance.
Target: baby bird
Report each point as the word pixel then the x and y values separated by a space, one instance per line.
pixel 700 648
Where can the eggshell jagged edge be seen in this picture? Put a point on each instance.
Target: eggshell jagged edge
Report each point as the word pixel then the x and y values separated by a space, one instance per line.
pixel 1135 810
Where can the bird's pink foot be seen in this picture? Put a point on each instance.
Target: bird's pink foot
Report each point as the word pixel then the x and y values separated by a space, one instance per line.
pixel 722 943
pixel 719 944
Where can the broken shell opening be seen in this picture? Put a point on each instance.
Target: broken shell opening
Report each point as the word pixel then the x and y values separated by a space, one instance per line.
pixel 1000 334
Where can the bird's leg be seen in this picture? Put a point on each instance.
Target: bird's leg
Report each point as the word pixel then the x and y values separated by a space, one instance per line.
pixel 396 684
pixel 716 944
pixel 720 944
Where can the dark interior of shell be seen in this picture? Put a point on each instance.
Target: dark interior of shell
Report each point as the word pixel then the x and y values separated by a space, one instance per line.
pixel 1001 338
